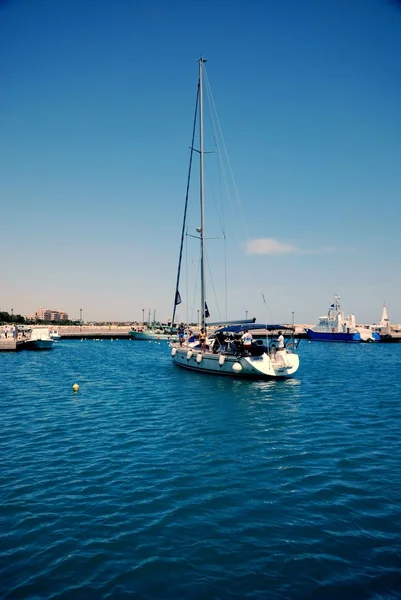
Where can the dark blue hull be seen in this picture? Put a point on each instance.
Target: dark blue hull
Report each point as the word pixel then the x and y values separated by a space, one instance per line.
pixel 318 336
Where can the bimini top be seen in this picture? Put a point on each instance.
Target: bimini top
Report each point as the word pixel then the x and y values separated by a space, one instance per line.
pixel 252 326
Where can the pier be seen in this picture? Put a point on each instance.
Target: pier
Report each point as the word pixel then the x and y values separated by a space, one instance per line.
pixel 90 332
pixel 11 344
pixel 86 332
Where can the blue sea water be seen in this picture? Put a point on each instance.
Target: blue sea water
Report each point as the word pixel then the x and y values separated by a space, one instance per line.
pixel 153 482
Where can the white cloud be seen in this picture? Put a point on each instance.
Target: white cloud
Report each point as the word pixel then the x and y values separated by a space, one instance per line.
pixel 269 246
pixel 273 246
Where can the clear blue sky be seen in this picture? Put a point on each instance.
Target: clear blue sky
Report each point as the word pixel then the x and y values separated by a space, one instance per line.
pixel 96 109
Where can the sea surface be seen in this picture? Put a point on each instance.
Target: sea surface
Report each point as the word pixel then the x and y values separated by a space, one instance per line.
pixel 152 482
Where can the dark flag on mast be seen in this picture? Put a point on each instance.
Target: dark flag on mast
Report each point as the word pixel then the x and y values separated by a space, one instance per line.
pixel 207 314
pixel 177 298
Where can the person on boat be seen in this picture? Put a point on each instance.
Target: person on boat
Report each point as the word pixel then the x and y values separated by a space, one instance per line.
pixel 280 341
pixel 202 339
pixel 181 331
pixel 246 340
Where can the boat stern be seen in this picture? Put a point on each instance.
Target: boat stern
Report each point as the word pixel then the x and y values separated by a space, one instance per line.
pixel 283 364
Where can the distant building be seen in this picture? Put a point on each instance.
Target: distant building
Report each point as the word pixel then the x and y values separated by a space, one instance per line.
pixel 47 314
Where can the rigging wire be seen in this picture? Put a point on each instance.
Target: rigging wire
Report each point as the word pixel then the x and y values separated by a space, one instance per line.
pixel 186 277
pixel 214 289
pixel 186 207
pixel 195 290
pixel 213 106
pixel 223 181
pixel 216 126
pixel 225 277
pixel 223 184
pixel 223 237
pixel 267 308
pixel 221 178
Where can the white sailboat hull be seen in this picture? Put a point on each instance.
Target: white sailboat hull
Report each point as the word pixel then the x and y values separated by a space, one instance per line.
pixel 282 365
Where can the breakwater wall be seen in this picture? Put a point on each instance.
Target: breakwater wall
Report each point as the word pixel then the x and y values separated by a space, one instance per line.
pixel 90 332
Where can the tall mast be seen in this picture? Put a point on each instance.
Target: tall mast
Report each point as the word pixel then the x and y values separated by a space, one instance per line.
pixel 202 194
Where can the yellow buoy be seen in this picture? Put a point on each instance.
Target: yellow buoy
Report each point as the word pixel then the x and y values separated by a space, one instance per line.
pixel 75 387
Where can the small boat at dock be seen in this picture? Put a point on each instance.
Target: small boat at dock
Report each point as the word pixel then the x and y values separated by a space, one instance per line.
pixel 41 339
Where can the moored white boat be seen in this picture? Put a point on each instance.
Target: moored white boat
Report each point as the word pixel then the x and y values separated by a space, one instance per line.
pixel 54 334
pixel 40 339
pixel 143 333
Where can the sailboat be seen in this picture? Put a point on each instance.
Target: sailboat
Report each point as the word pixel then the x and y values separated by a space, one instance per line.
pixel 153 331
pixel 224 352
pixel 163 332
